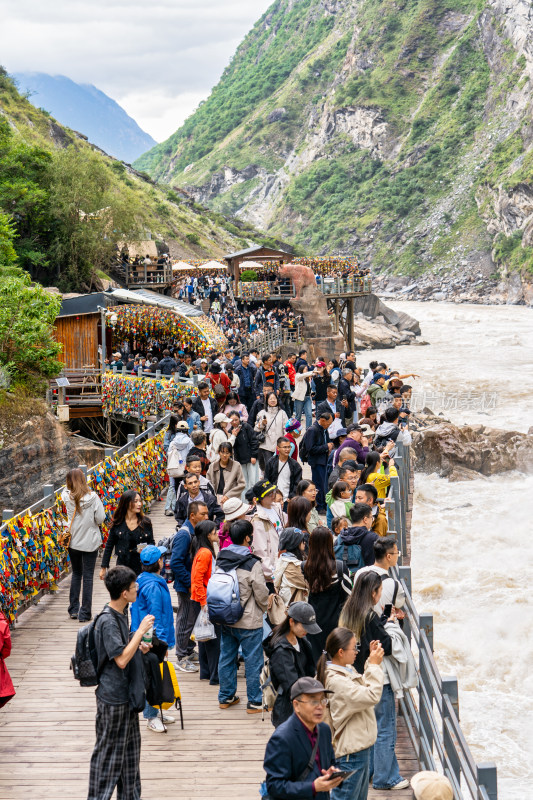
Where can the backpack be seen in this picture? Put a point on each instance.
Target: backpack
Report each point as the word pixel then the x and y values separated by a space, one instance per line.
pixel 350 555
pixel 304 452
pixel 84 662
pixel 223 597
pixel 166 572
pixel 175 463
pixel 267 687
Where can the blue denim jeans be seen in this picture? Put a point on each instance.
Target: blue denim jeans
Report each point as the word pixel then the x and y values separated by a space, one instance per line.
pixel 386 769
pixel 149 711
pixel 251 642
pixel 171 496
pixel 306 406
pixel 355 787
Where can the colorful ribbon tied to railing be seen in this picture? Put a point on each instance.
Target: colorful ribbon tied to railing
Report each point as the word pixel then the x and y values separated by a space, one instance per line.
pixel 31 558
pixel 130 396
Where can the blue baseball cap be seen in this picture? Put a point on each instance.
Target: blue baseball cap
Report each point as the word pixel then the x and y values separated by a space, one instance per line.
pixel 150 554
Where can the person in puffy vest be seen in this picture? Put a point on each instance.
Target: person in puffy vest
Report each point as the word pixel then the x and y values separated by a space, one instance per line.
pixel 247 632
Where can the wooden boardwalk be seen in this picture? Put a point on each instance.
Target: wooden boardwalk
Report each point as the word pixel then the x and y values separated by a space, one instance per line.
pixel 47 730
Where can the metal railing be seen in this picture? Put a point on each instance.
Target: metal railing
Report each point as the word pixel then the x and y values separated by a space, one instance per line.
pixel 275 338
pixel 431 712
pixel 272 290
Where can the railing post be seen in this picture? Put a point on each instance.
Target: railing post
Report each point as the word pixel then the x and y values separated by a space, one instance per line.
pixel 123 369
pixel 487 776
pixel 158 374
pixel 48 494
pixel 140 372
pixel 83 468
pixel 131 442
pixel 451 688
pixel 108 452
pixel 405 576
pixel 426 625
pixel 7 513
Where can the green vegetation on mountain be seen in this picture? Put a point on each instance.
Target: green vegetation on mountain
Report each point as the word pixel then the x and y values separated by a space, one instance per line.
pixel 67 206
pixel 387 128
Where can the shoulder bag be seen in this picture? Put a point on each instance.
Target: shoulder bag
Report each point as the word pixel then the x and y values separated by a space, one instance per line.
pixel 65 536
pixel 261 435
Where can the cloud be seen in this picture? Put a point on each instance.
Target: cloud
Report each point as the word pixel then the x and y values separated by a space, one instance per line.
pixel 158 60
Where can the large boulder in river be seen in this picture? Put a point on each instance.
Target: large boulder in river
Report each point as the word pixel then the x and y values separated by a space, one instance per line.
pixel 466 452
pixel 371 307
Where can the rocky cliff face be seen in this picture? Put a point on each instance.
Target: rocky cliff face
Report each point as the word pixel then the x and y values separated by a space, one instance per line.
pixel 39 452
pixel 398 130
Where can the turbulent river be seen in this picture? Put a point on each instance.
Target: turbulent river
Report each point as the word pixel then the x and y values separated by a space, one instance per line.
pixel 472 542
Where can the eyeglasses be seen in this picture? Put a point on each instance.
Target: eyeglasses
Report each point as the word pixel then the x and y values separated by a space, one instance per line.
pixel 135 586
pixel 397 553
pixel 315 703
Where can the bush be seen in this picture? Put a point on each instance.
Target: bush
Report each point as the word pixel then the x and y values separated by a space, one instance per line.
pixel 193 238
pixel 248 276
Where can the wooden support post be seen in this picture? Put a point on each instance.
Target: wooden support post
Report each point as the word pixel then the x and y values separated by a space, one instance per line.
pixel 337 314
pixel 350 310
pixel 487 776
pixel 450 687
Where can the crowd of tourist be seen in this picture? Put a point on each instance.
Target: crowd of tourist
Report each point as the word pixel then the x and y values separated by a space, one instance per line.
pixel 286 574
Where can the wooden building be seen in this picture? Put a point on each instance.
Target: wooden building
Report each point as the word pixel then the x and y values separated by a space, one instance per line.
pixel 237 261
pixel 79 329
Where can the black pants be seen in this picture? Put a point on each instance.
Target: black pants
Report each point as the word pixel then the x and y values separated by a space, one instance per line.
pixel 247 398
pixel 116 755
pixel 209 653
pixel 82 571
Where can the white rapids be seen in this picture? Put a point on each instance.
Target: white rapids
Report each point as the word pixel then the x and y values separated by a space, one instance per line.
pixel 472 542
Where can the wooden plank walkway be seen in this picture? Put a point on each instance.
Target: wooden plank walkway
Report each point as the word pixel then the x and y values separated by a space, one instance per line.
pixel 47 730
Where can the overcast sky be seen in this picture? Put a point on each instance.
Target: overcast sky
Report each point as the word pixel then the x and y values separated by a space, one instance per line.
pixel 157 58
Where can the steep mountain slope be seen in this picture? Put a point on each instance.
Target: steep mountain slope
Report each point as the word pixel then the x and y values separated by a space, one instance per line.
pixel 85 108
pixel 51 178
pixel 399 129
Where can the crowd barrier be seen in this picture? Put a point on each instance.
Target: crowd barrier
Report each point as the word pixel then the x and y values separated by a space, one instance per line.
pixel 431 711
pixel 31 559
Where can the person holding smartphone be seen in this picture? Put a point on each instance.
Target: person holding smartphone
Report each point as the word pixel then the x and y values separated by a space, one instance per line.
pixel 351 709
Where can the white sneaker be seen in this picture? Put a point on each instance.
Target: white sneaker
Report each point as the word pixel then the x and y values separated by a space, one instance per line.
pixel 156 725
pixel 186 666
pixel 403 784
pixel 168 720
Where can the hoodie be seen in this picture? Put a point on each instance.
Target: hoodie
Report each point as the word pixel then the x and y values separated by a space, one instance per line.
pixel 153 597
pixel 364 538
pixel 338 508
pixel 386 432
pixel 84 525
pixel 181 442
pixel 253 590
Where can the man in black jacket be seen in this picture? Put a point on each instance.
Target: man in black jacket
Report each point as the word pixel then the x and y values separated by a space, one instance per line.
pixel 284 471
pixel 194 493
pixel 292 770
pixel 245 448
pixel 206 406
pixel 246 372
pixel 333 404
pixel 318 448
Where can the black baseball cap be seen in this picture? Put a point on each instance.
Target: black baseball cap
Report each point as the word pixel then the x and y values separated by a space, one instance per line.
pixel 307 685
pixel 305 614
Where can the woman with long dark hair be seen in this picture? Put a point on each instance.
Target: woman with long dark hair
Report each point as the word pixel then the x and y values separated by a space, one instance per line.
pixel 372 464
pixel 299 513
pixel 203 555
pixel 85 514
pixel 308 490
pixel 290 656
pixel 130 531
pixel 351 708
pixel 359 616
pixel 329 585
pixel 321 380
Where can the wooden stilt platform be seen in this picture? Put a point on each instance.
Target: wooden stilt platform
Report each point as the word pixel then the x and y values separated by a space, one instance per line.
pixel 47 730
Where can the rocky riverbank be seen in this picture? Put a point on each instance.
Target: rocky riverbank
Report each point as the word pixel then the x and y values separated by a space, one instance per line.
pixel 467 452
pixel 377 325
pixel 462 285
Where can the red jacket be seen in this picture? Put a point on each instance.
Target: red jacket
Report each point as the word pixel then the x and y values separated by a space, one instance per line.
pixel 291 372
pixel 221 378
pixel 200 574
pixel 7 690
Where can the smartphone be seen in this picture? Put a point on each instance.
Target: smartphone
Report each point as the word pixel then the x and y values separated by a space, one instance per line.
pixel 342 774
pixel 387 610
